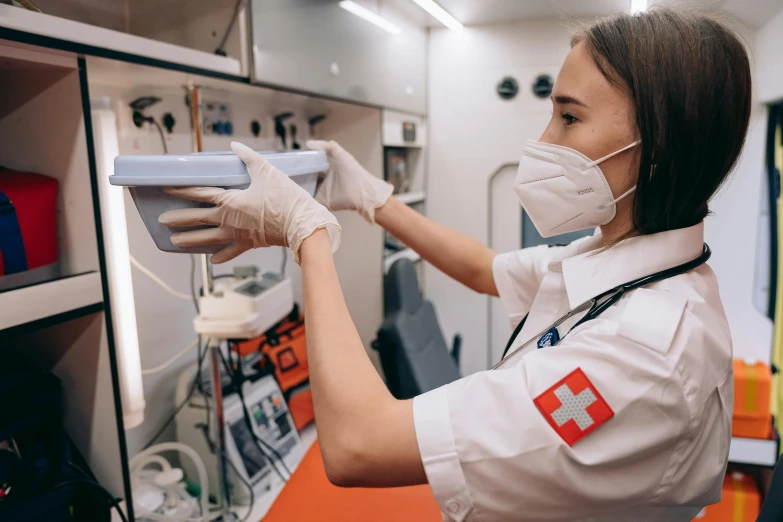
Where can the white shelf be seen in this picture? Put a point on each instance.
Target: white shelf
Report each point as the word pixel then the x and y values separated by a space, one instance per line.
pixel 409 198
pixel 63 29
pixel 408 253
pixel 47 299
pixel 264 504
pixel 757 452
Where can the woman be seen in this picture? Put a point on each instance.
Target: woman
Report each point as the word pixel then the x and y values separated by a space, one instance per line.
pixel 628 417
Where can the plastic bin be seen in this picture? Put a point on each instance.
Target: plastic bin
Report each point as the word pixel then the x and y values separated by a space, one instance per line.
pixel 146 176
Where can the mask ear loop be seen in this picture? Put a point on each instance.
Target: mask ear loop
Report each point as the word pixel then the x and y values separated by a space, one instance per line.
pixel 615 200
pixel 613 154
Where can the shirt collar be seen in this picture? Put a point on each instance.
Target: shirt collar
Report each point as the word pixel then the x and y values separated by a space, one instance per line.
pixel 588 273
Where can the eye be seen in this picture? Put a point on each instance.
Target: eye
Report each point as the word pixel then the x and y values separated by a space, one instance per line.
pixel 570 119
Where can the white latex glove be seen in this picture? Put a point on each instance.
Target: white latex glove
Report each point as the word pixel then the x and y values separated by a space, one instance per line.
pixel 272 211
pixel 348 186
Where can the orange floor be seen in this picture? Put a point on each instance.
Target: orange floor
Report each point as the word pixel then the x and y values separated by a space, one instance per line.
pixel 310 497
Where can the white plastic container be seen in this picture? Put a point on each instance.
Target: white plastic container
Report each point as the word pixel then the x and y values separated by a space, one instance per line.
pixel 146 176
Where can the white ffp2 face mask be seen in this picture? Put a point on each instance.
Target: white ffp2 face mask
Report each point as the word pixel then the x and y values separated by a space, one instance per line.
pixel 562 190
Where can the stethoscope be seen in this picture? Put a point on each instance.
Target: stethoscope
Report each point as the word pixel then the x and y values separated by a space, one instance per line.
pixel 596 306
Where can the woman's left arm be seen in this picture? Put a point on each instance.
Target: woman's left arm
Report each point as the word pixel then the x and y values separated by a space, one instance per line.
pixel 367 436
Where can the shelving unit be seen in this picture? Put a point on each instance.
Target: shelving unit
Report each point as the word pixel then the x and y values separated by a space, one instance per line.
pixel 17 23
pixel 755 452
pixel 412 198
pixel 405 136
pixel 61 324
pixel 36 302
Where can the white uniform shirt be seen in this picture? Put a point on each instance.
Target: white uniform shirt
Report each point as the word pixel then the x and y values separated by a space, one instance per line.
pixel 627 418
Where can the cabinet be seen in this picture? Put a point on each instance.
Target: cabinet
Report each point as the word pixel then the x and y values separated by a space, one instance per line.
pixel 315 46
pixel 63 324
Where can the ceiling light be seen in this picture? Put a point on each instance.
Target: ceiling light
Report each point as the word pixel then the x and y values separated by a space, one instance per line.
pixel 440 14
pixel 370 16
pixel 638 6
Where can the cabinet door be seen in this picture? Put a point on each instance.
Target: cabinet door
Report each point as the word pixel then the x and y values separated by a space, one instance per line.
pixel 317 47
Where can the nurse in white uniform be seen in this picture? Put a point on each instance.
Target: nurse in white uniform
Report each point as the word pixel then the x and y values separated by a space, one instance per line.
pixel 626 416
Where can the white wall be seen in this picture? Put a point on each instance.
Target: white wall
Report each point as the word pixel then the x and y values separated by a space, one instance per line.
pixel 769 66
pixel 733 230
pixel 473 132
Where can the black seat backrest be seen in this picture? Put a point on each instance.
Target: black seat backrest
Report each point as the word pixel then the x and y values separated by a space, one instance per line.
pixel 414 355
pixel 772 508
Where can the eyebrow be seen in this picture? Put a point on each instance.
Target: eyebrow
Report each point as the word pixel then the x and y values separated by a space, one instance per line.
pixel 567 99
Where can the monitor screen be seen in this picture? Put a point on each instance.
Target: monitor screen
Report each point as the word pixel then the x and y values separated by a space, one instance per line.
pixel 252 458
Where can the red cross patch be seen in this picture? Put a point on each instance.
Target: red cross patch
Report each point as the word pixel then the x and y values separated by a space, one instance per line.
pixel 573 407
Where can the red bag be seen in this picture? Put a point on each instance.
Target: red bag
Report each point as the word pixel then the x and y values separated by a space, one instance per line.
pixel 28 224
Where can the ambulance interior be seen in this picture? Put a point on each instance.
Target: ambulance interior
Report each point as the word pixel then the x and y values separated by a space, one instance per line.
pixel 434 97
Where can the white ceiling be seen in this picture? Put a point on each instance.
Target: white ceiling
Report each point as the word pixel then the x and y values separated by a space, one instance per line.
pixel 752 12
pixel 476 12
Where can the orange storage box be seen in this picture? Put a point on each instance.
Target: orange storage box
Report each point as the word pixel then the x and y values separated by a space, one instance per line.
pixel 752 394
pixel 740 502
pixel 286 347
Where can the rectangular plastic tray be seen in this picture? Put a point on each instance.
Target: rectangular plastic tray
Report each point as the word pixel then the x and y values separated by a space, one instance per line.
pixel 146 176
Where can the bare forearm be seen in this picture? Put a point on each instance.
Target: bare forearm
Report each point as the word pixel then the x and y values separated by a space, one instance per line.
pixel 457 255
pixel 367 437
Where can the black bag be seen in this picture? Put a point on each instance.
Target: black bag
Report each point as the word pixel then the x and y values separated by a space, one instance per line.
pixel 48 479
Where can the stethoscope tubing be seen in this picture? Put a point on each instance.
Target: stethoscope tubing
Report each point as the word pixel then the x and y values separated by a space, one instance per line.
pixel 600 303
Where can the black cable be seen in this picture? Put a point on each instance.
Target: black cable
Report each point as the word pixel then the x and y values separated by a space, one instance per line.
pixel 220 48
pixel 115 503
pixel 238 382
pixel 162 138
pixel 285 260
pixel 192 282
pixel 181 405
pixel 259 439
pixel 247 484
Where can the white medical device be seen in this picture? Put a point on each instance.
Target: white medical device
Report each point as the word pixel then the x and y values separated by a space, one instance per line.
pixel 244 308
pixel 271 421
pixel 159 492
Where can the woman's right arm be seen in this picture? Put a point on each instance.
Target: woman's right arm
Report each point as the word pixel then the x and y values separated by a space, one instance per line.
pixel 348 186
pixel 457 255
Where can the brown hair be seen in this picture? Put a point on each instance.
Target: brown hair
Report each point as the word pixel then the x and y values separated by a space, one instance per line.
pixel 689 78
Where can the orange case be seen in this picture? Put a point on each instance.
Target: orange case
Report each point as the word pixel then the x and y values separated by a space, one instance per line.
pixel 301 406
pixel 752 393
pixel 291 367
pixel 740 502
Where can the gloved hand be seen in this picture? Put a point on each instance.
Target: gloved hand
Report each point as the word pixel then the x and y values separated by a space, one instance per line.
pixel 272 211
pixel 348 186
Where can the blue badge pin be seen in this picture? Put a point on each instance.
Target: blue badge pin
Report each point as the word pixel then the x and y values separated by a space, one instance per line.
pixel 550 338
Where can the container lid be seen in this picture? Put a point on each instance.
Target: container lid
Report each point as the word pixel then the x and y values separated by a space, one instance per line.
pixel 207 169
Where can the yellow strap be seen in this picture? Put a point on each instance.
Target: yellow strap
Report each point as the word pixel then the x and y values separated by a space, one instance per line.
pixel 777 348
pixel 750 388
pixel 739 503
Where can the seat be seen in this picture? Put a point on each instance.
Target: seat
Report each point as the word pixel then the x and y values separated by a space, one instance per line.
pixel 772 507
pixel 413 352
